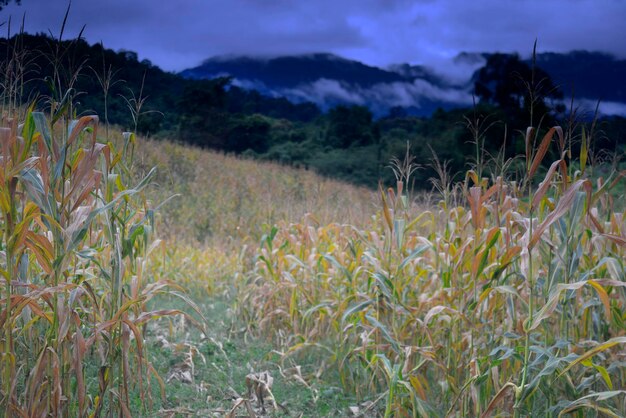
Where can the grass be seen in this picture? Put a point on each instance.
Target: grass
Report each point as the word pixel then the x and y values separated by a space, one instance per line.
pixel 222 362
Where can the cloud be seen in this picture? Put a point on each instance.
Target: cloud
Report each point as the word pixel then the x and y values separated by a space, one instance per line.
pixel 437 31
pixel 180 34
pixel 325 93
pixel 379 98
pixel 588 107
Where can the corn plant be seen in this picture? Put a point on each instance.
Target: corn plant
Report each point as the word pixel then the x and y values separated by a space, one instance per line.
pixel 511 303
pixel 75 244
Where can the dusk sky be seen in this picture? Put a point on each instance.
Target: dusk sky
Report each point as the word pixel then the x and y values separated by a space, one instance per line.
pixel 178 34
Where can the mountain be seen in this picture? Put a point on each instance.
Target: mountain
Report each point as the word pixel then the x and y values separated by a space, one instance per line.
pixel 291 71
pixel 329 80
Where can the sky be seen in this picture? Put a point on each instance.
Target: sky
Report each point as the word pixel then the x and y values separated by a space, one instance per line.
pixel 179 34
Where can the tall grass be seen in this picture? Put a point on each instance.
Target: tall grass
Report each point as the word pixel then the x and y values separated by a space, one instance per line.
pixel 217 199
pixel 216 208
pixel 511 303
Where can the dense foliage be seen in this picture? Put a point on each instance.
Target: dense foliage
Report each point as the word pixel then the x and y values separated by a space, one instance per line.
pixel 506 299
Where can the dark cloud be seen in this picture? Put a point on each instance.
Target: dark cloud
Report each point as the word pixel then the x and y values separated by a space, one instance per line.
pixel 180 34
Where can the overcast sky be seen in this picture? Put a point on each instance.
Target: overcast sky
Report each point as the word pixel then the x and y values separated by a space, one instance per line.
pixel 179 34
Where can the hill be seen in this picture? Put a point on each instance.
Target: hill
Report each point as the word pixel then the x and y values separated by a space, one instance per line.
pixel 40 68
pixel 590 76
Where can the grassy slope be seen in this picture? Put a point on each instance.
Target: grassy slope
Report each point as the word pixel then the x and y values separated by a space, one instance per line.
pixel 222 208
pixel 224 198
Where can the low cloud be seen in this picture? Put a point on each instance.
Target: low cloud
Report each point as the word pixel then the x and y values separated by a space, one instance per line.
pixel 325 93
pixel 379 98
pixel 419 95
pixel 588 107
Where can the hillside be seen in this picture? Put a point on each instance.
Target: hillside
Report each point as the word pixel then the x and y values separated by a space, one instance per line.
pixel 219 199
pixel 291 71
pixel 309 235
pixel 83 70
pixel 261 275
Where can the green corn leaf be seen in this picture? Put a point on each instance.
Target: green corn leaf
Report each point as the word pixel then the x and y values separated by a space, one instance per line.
pixel 384 331
pixel 359 307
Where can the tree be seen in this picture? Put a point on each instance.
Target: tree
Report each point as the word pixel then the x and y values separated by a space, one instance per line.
pixel 203 119
pixel 510 83
pixel 248 132
pixel 350 126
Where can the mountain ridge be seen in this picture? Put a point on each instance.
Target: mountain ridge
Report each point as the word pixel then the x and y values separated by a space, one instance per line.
pixel 328 79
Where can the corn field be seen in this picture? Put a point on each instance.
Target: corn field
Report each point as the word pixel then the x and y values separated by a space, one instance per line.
pixel 505 298
pixel 511 302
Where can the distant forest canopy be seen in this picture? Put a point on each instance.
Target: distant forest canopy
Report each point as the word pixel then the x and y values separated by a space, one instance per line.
pixel 346 142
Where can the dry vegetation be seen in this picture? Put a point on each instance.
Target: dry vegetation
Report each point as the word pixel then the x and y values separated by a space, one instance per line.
pixel 76 239
pixel 217 197
pixel 465 309
pixel 507 298
pixel 469 309
pixel 510 304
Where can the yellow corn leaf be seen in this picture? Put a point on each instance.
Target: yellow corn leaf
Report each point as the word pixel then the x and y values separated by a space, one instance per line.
pixel 583 151
pixel 543 149
pixel 565 202
pixel 604 298
pixel 386 212
pixel 595 350
pixel 417 386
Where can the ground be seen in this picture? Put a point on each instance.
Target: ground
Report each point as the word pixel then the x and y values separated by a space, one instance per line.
pixel 207 376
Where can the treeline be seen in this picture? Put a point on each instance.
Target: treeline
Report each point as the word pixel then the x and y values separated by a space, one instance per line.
pixel 346 142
